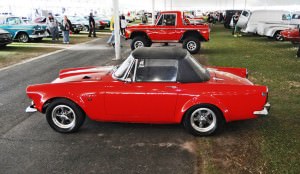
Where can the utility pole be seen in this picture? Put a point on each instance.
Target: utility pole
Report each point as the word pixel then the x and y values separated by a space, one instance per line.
pixel 153 12
pixel 117 29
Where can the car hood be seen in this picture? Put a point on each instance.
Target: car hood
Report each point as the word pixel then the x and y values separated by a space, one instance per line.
pixel 222 77
pixel 83 74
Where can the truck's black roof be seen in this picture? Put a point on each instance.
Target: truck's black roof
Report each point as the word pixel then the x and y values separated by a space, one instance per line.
pixel 159 53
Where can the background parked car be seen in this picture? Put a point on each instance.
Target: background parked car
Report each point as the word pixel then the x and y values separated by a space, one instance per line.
pixel 42 22
pixel 81 20
pixel 103 21
pixel 292 35
pixel 21 31
pixel 5 38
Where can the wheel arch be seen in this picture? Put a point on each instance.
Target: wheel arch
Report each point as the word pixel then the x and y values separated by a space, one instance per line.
pixel 191 33
pixel 50 100
pixel 194 102
pixel 139 33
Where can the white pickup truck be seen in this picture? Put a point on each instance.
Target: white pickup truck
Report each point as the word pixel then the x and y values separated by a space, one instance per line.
pixel 268 22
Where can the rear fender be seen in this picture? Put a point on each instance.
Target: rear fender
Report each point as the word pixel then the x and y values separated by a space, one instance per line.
pixel 202 100
pixel 241 72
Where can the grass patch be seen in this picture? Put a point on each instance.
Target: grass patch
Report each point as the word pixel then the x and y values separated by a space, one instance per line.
pixel 267 145
pixel 16 52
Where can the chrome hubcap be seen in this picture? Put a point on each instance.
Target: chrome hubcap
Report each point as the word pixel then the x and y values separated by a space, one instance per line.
pixel 63 116
pixel 191 45
pixel 203 120
pixel 138 44
pixel 23 38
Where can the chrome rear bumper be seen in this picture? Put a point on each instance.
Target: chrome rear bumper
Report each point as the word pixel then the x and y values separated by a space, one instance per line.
pixel 265 111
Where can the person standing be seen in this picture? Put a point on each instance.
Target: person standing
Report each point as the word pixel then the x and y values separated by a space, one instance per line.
pixel 52 25
pixel 66 27
pixel 92 25
pixel 111 40
pixel 235 30
pixel 123 24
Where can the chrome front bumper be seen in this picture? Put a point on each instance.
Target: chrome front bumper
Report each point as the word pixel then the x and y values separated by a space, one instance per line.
pixel 31 108
pixel 265 111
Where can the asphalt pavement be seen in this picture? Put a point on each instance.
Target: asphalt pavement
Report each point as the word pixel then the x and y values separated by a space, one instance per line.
pixel 29 145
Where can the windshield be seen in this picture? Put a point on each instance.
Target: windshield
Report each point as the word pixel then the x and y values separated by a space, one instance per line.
pixel 121 71
pixel 13 21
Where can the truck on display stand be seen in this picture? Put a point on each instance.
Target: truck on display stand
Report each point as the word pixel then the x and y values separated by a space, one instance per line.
pixel 170 27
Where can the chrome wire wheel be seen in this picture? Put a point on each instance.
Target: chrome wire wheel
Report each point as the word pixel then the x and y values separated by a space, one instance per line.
pixel 138 44
pixel 191 45
pixel 203 120
pixel 63 116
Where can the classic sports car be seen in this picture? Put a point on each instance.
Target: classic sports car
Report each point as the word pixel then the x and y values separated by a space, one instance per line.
pixel 153 85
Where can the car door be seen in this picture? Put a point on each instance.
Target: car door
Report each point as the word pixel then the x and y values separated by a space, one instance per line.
pixel 243 19
pixel 164 29
pixel 146 99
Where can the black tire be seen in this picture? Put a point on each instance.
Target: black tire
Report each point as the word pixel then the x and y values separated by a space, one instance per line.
pixel 102 27
pixel 38 39
pixel 192 44
pixel 23 37
pixel 75 116
pixel 278 36
pixel 3 46
pixel 214 116
pixel 86 28
pixel 140 41
pixel 76 32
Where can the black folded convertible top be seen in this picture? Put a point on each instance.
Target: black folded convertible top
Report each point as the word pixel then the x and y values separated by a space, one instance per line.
pixel 159 53
pixel 189 70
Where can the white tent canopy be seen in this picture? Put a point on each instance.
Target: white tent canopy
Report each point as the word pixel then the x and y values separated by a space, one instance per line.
pixel 24 7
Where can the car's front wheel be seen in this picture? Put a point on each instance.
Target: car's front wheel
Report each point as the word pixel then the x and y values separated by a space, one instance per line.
pixel 202 120
pixel 278 36
pixel 192 45
pixel 64 116
pixel 140 41
pixel 23 37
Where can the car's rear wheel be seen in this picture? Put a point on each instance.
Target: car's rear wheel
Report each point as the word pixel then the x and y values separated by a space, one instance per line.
pixel 140 41
pixel 192 45
pixel 202 120
pixel 64 116
pixel 23 37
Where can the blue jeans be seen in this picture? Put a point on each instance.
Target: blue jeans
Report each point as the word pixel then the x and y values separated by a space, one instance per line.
pixel 55 33
pixel 111 40
pixel 66 35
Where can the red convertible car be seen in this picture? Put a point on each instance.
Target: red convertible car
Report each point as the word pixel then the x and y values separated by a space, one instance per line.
pixel 153 85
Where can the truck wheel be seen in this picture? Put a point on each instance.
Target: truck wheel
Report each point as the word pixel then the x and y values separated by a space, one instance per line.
pixel 23 37
pixel 140 41
pixel 191 44
pixel 278 36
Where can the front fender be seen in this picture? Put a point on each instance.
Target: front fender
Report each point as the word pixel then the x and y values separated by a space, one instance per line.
pixel 202 99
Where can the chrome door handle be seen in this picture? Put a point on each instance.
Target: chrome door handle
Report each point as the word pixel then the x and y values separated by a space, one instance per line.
pixel 173 87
